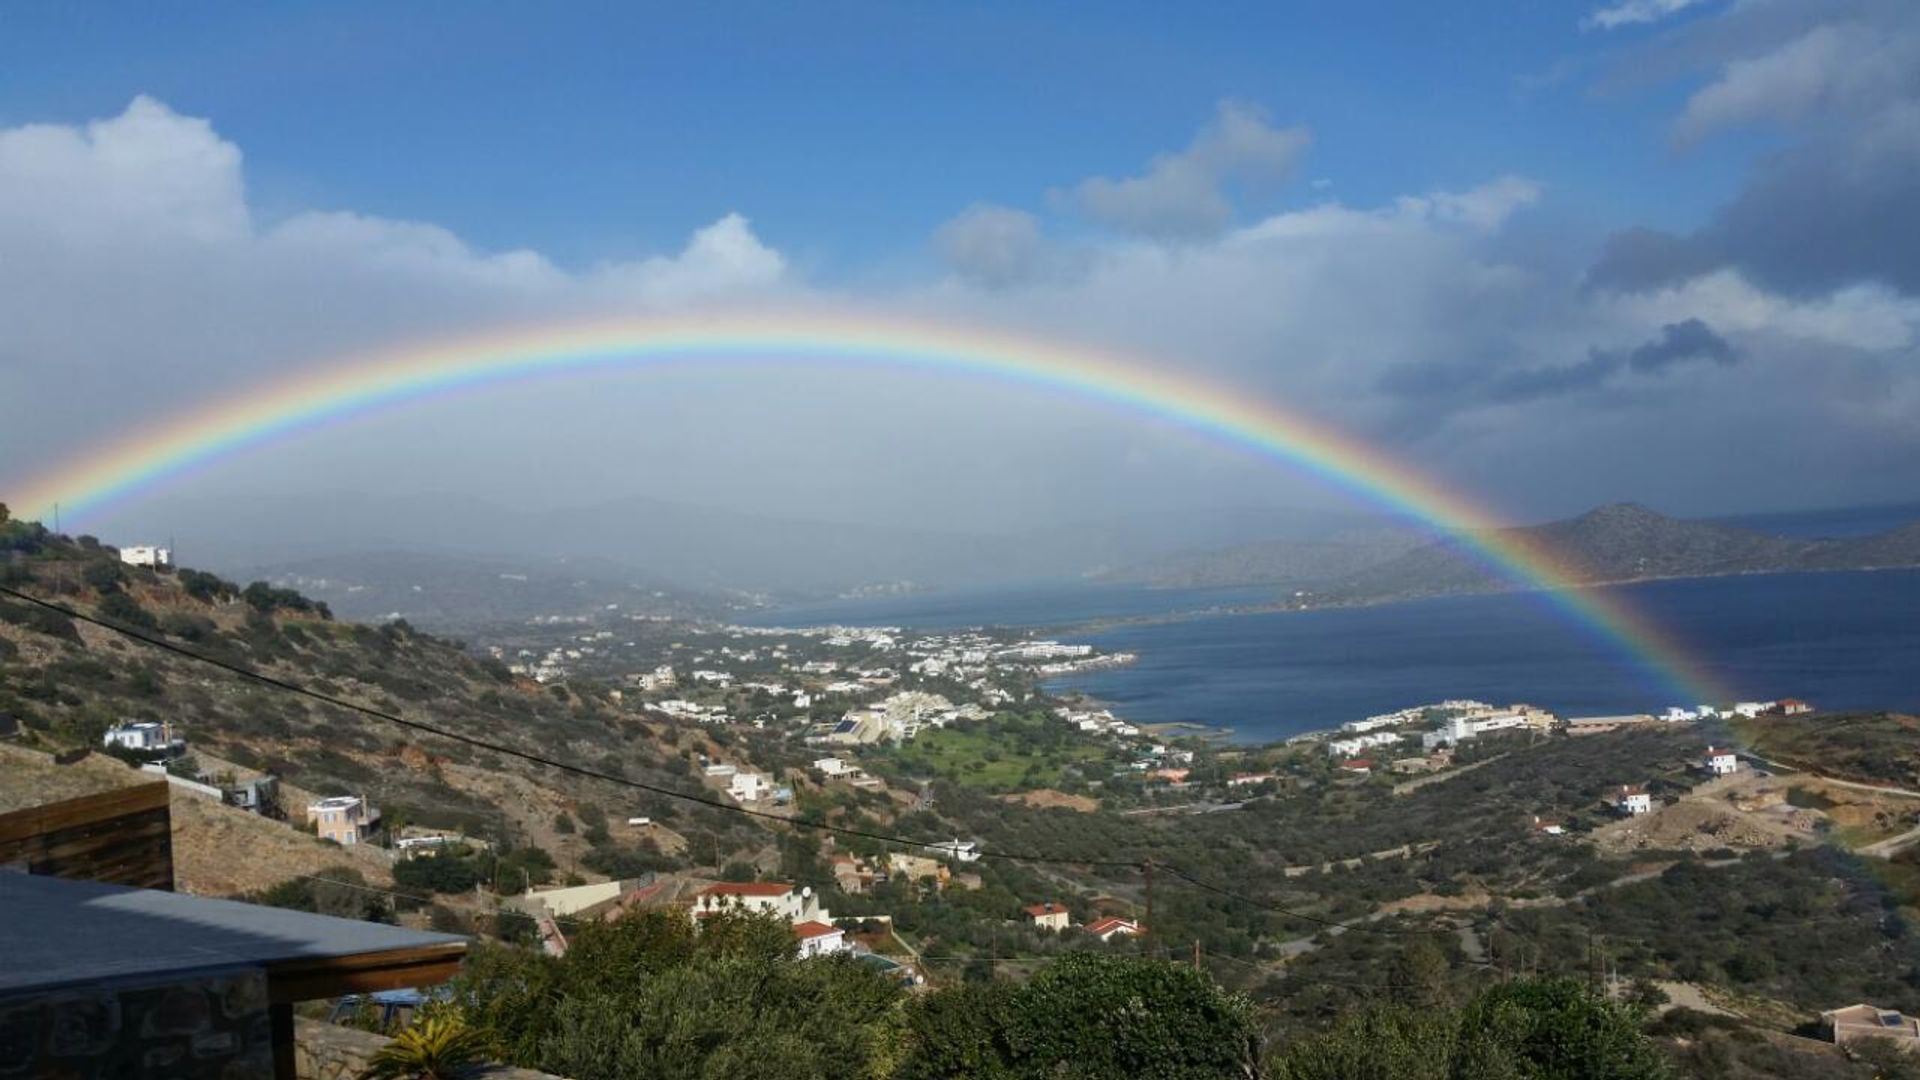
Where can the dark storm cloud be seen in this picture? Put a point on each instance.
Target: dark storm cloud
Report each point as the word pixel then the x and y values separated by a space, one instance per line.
pixel 1679 343
pixel 1836 206
pixel 1462 386
pixel 1838 211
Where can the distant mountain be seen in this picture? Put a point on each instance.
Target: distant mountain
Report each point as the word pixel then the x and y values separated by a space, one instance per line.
pixel 441 591
pixel 1625 542
pixel 700 548
pixel 1285 563
pixel 1615 543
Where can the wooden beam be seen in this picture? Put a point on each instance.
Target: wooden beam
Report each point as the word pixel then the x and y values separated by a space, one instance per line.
pixel 83 810
pixel 121 837
pixel 307 979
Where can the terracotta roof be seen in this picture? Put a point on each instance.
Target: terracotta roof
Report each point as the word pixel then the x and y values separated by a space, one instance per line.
pixel 1631 789
pixel 748 888
pixel 811 929
pixel 1111 923
pixel 1048 908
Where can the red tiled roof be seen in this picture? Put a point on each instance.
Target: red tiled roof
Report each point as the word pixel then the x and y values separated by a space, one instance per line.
pixel 748 888
pixel 1048 908
pixel 811 929
pixel 1111 923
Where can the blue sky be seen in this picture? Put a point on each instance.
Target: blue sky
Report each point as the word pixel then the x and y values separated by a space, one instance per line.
pixel 847 131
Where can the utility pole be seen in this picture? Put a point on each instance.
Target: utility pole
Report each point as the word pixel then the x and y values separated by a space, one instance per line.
pixel 1146 927
pixel 1196 954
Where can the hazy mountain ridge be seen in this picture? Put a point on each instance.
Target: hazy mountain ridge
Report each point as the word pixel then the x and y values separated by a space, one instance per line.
pixel 1615 543
pixel 681 546
pixel 1624 542
pixel 460 591
pixel 1273 562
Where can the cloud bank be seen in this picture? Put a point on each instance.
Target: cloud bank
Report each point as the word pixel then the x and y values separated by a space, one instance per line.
pixel 139 279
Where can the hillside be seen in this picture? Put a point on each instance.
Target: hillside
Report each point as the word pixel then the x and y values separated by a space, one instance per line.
pixel 66 682
pixel 1872 748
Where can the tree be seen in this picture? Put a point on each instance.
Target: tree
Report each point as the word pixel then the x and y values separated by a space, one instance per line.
pixel 444 873
pixel 1393 1041
pixel 653 995
pixel 1093 1015
pixel 123 609
pixel 1555 1029
pixel 960 1031
pixel 1531 1029
pixel 1419 974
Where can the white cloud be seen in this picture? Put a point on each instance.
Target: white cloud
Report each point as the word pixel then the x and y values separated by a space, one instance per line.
pixel 147 173
pixel 992 245
pixel 1485 207
pixel 1181 195
pixel 723 259
pixel 1631 12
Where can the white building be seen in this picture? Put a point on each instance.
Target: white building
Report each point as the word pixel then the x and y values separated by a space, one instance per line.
pixel 749 787
pixel 1459 729
pixel 959 850
pixel 1350 747
pixel 157 558
pixel 144 736
pixel 1632 800
pixel 820 939
pixel 1721 761
pixel 766 897
pixel 831 767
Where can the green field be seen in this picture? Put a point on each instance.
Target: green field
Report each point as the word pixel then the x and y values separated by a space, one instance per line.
pixel 1003 754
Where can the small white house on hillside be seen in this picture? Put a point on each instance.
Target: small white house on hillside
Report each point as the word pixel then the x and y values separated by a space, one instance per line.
pixel 1721 761
pixel 1632 800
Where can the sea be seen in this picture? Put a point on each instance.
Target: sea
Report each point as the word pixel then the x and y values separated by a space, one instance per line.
pixel 1842 640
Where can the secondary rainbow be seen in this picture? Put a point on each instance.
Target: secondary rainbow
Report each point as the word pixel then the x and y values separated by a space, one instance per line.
pixel 145 460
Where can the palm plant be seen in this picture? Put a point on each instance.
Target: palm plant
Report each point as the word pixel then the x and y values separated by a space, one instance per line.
pixel 440 1046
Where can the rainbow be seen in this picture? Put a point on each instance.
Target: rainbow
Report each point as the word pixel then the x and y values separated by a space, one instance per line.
pixel 146 460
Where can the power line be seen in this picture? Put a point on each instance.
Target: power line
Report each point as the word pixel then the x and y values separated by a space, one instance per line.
pixel 701 800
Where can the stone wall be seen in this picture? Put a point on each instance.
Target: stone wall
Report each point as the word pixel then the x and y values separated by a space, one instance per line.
pixel 330 1052
pixel 212 1027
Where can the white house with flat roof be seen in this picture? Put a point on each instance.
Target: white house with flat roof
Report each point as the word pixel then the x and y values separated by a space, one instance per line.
pixel 147 555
